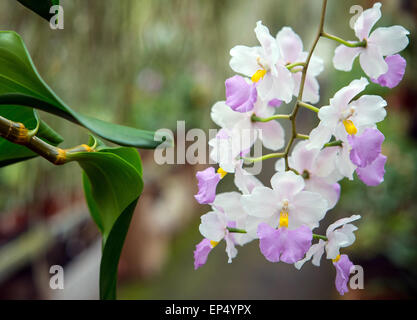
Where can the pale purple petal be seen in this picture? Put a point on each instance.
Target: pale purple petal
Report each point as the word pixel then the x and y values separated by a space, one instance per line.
pixel 207 184
pixel 287 184
pixel 396 70
pixel 240 95
pixel 271 134
pixel 275 103
pixel 365 147
pixel 369 109
pixel 224 116
pixel 213 225
pixel 345 95
pixel 372 61
pixel 329 191
pixel 223 134
pixel 277 85
pixel 244 181
pixel 307 208
pixel 319 136
pixel 343 266
pixel 282 244
pixel 303 158
pixel 261 203
pixel 230 245
pixel 311 87
pixel 229 204
pixel 290 45
pixel 341 222
pixel 316 252
pixel 201 253
pixel 366 21
pixel 344 56
pixel 268 43
pixel 373 174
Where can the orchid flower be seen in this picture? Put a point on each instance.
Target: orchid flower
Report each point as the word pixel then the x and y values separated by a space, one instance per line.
pixel 339 235
pixel 260 64
pixel 317 166
pixel 381 42
pixel 345 116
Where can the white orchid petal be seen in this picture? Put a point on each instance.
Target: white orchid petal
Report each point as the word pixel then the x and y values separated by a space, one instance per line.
pixel 340 223
pixel 287 184
pixel 372 61
pixel 366 21
pixel 272 134
pixel 369 109
pixel 344 56
pixel 244 60
pixel 390 40
pixel 290 45
pixel 261 203
pixel 213 226
pixel 309 208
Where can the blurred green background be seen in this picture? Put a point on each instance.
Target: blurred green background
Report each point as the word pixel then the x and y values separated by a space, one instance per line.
pixel 148 64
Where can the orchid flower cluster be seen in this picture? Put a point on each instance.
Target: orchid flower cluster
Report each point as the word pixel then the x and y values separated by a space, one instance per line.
pixel 306 183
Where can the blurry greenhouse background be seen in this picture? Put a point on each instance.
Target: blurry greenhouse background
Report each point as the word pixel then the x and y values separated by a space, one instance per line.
pixel 148 64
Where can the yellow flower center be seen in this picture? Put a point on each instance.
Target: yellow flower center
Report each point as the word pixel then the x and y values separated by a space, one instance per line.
pixel 258 75
pixel 350 127
pixel 221 172
pixel 336 259
pixel 283 219
pixel 283 215
pixel 213 243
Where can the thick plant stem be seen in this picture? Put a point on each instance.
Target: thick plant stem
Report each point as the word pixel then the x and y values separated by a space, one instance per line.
pixel 17 133
pixel 302 85
pixel 344 42
pixel 299 103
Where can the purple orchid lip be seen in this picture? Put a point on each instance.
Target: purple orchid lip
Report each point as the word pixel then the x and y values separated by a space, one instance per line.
pixel 366 155
pixel 394 75
pixel 282 244
pixel 373 174
pixel 207 184
pixel 201 253
pixel 240 95
pixel 365 147
pixel 343 267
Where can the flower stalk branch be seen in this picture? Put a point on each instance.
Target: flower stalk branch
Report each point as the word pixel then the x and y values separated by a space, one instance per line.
pixel 308 106
pixel 299 102
pixel 274 117
pixel 344 42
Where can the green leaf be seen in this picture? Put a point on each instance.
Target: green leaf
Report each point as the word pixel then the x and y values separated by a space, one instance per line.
pixel 41 7
pixel 112 184
pixel 11 153
pixel 21 84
